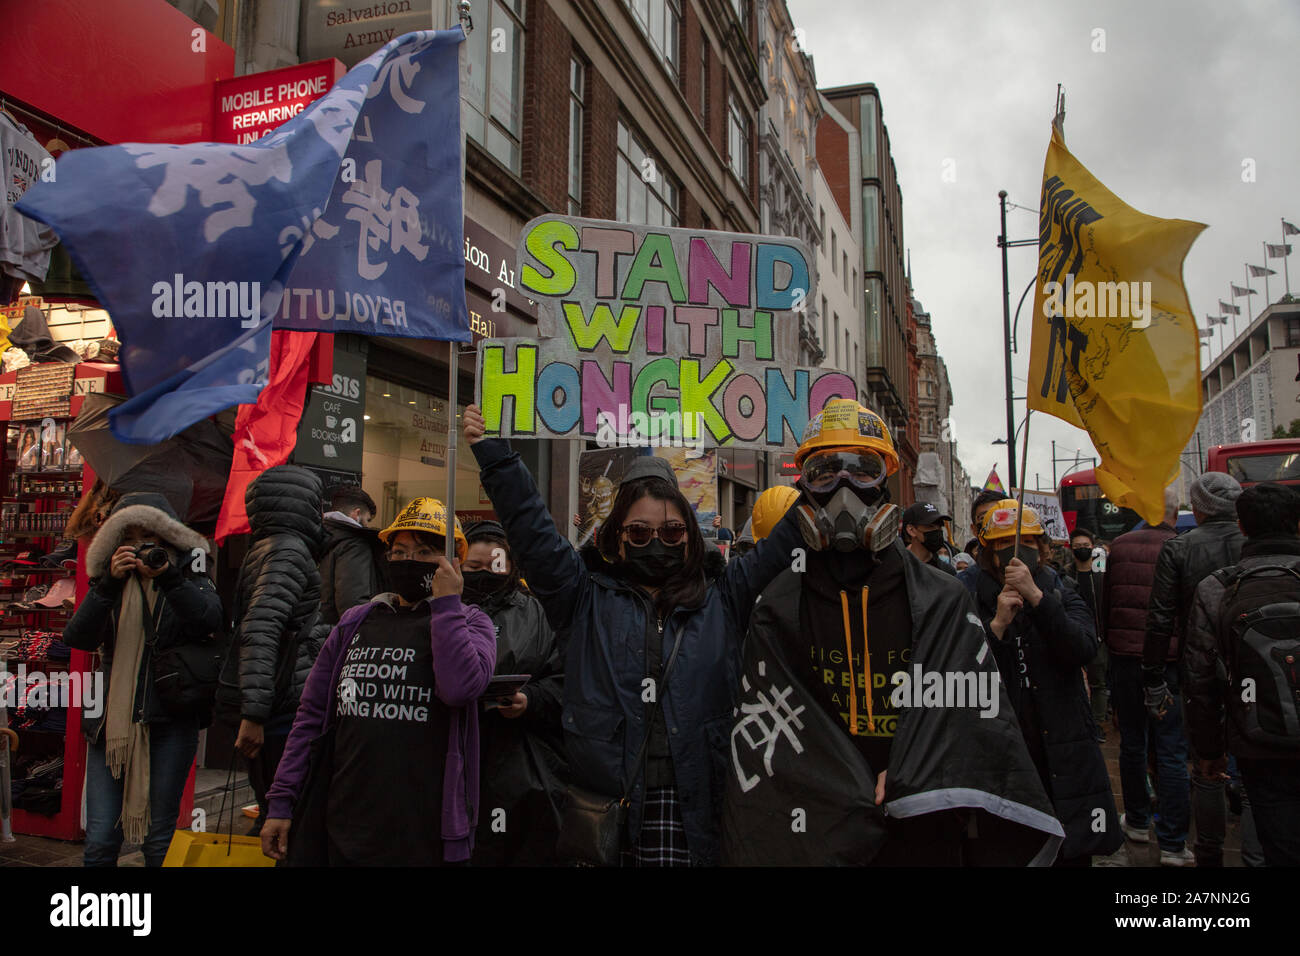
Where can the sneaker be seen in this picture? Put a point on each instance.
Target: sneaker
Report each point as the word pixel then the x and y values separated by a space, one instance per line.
pixel 1133 833
pixel 1183 857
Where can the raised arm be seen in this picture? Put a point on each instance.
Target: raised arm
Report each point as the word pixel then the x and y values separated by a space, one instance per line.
pixel 745 578
pixel 555 574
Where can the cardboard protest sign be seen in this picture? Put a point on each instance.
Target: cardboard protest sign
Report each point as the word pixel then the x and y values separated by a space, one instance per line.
pixel 661 337
pixel 1049 513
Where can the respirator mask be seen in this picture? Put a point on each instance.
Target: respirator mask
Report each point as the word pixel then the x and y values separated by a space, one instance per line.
pixel 847 506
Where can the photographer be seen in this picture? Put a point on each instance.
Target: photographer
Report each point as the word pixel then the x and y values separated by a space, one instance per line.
pixel 145 599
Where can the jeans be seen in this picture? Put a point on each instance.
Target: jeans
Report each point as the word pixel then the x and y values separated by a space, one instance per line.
pixel 1098 685
pixel 171 753
pixel 1135 726
pixel 1274 788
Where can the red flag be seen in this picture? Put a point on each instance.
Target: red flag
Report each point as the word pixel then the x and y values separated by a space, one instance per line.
pixel 265 433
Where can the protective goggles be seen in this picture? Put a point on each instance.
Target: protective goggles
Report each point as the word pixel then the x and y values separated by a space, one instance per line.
pixel 822 471
pixel 639 535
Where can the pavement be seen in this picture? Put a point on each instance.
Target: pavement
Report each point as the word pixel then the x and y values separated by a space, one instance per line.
pixel 39 851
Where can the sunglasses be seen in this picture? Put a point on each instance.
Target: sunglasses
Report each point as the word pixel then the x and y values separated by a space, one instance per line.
pixel 821 472
pixel 639 535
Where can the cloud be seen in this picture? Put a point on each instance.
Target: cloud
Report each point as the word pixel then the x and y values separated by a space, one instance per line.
pixel 1164 117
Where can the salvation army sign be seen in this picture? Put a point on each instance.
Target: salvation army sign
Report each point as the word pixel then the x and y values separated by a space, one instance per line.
pixel 661 336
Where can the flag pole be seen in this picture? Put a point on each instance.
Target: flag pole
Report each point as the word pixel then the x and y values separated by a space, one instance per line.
pixel 453 348
pixel 1250 316
pixel 1024 455
pixel 1286 270
pixel 1267 300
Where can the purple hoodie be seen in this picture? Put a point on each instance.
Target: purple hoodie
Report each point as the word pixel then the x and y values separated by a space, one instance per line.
pixel 464 657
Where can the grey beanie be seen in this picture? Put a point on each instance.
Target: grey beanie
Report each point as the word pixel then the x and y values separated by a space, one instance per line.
pixel 649 466
pixel 1215 494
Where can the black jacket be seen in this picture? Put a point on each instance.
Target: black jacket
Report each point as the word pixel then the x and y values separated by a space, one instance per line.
pixel 277 597
pixel 1183 563
pixel 947 762
pixel 1093 593
pixel 1058 640
pixel 352 571
pixel 190 612
pixel 606 622
pixel 1206 689
pixel 522 767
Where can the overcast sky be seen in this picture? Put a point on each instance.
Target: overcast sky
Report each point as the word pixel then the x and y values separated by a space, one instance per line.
pixel 1184 93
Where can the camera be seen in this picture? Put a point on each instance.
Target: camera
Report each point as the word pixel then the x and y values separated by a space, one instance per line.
pixel 152 556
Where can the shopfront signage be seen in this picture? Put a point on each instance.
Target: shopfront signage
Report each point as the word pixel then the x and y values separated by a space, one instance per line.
pixel 249 107
pixel 353 29
pixel 330 433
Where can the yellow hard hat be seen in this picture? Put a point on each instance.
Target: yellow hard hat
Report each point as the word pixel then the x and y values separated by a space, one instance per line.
pixel 770 507
pixel 1000 521
pixel 428 515
pixel 847 426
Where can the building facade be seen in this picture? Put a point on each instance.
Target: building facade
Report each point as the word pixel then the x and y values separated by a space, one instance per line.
pixel 1249 390
pixel 865 176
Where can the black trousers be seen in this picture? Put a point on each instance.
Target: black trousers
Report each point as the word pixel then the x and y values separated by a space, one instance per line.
pixel 261 769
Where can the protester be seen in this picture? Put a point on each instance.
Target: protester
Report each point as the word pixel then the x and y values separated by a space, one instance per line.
pixel 394 779
pixel 1042 635
pixel 1091 584
pixel 522 765
pixel 983 503
pixel 1184 562
pixel 833 642
pixel 624 607
pixel 352 571
pixel 277 607
pixel 1126 595
pixel 1244 632
pixel 961 561
pixel 923 534
pixel 142 746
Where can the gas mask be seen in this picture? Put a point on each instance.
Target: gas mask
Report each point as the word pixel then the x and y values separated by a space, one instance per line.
pixel 845 522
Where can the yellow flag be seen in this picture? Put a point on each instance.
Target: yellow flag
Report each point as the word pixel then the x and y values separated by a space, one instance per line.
pixel 1114 347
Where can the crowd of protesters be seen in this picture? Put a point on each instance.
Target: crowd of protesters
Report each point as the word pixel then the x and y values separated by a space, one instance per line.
pixel 523 702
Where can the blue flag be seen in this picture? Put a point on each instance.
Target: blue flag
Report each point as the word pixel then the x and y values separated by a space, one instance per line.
pixel 348 218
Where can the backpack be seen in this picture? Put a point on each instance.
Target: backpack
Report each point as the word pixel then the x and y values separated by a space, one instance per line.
pixel 1263 646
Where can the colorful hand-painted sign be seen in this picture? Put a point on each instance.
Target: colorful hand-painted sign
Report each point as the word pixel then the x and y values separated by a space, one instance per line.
pixel 661 337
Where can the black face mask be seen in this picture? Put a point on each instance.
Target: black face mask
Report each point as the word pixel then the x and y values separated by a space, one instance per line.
pixel 654 563
pixel 1027 553
pixel 1082 554
pixel 412 579
pixel 482 586
pixel 933 541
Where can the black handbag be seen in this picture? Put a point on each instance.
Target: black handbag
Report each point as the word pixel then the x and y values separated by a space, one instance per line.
pixel 308 837
pixel 592 824
pixel 184 675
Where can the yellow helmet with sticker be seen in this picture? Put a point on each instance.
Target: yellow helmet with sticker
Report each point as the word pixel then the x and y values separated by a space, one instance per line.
pixel 848 426
pixel 770 508
pixel 430 516
pixel 1000 521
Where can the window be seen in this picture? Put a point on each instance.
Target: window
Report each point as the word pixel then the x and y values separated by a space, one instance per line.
pixel 871 228
pixel 738 140
pixel 846 347
pixel 827 345
pixel 855 287
pixel 660 21
pixel 1292 332
pixel 645 192
pixel 837 340
pixel 492 83
pixel 704 77
pixel 821 222
pixel 844 269
pixel 835 252
pixel 855 358
pixel 577 80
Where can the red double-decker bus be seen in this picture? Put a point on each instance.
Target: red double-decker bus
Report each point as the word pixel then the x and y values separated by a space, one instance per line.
pixel 1251 462
pixel 1084 504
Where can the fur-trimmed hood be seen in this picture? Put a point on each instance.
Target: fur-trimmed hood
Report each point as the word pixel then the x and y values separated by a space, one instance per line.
pixel 147 511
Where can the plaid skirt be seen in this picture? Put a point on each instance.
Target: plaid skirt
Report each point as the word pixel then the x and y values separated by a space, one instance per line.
pixel 662 840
